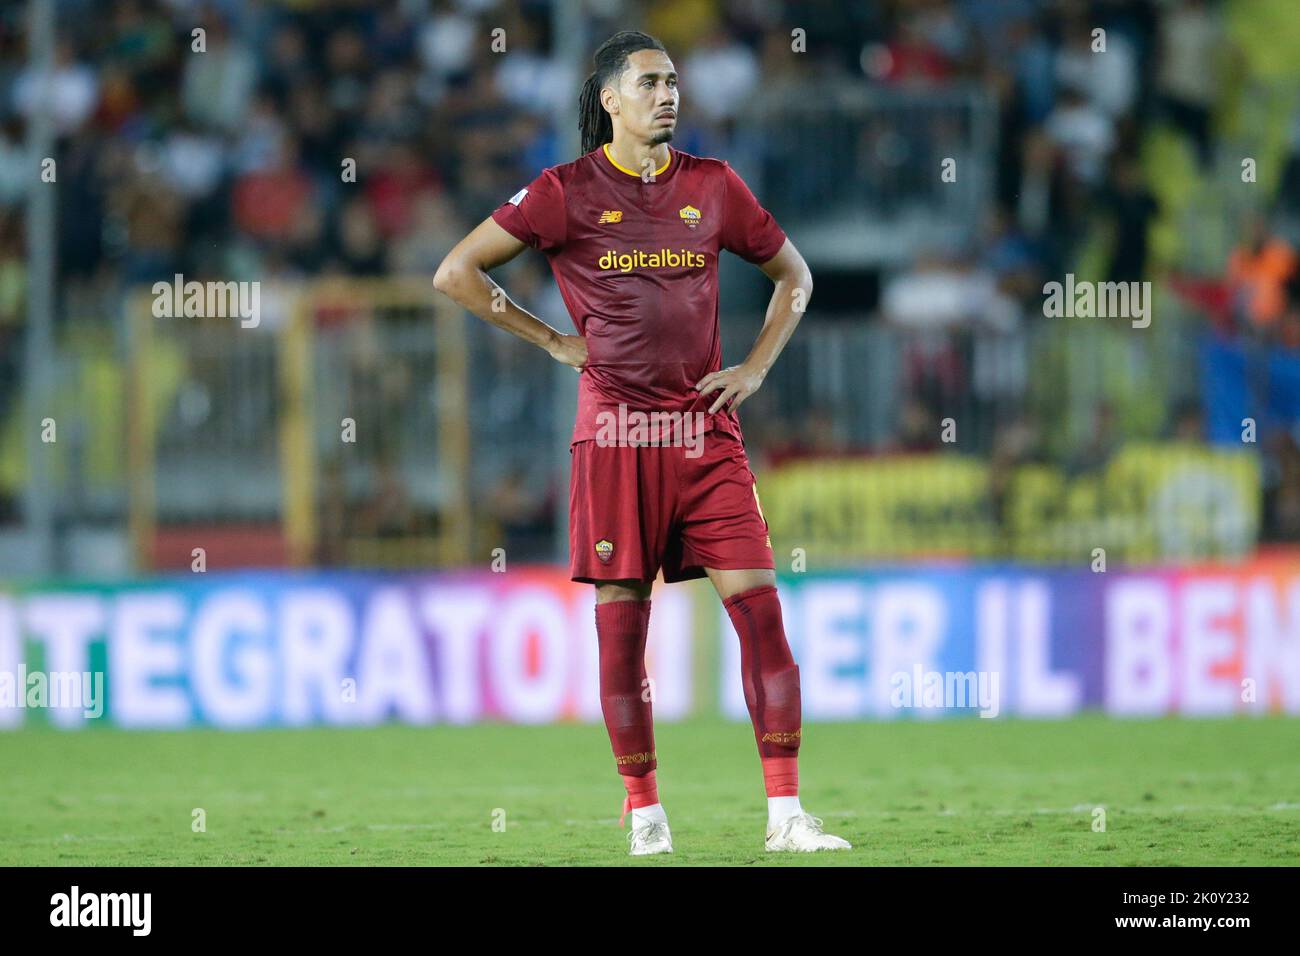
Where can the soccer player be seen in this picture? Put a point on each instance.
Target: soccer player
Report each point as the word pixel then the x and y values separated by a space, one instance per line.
pixel 633 230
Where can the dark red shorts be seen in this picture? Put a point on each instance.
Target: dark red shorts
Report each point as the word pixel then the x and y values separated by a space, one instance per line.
pixel 635 509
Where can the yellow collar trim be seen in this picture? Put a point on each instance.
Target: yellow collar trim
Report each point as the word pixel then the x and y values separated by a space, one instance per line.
pixel 630 172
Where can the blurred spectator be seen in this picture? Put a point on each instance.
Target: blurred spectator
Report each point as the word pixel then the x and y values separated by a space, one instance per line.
pixel 192 162
pixel 1101 68
pixel 916 55
pixel 815 435
pixel 393 190
pixel 918 429
pixel 1258 272
pixel 227 162
pixel 445 44
pixel 15 167
pixel 1083 135
pixel 219 79
pixel 522 513
pixel 358 247
pixel 947 289
pixel 680 23
pixel 68 95
pixel 1187 79
pixel 1102 442
pixel 1009 255
pixel 13 300
pixel 150 215
pixel 1016 442
pixel 270 202
pixel 721 74
pixel 1188 422
pixel 1133 206
pixel 1282 488
pixel 528 78
pixel 387 511
pixel 433 230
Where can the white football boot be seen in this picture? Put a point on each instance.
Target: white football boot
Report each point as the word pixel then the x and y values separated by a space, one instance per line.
pixel 802 832
pixel 650 837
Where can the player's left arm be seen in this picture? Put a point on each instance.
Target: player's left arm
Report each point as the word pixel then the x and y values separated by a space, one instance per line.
pixel 794 285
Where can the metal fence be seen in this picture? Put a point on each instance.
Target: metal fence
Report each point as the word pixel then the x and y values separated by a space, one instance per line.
pixel 912 167
pixel 357 432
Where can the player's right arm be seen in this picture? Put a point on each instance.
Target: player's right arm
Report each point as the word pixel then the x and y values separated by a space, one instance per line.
pixel 463 277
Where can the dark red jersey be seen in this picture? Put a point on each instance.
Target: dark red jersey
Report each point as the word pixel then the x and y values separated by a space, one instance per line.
pixel 637 265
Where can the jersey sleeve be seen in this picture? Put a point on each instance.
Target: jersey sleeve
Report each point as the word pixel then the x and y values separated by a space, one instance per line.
pixel 536 214
pixel 748 229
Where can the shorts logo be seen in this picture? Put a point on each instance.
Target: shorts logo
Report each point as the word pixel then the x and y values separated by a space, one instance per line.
pixel 690 215
pixel 518 197
pixel 611 215
pixel 604 550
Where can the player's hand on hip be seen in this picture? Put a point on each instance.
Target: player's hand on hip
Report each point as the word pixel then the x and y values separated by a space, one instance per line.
pixel 569 349
pixel 735 384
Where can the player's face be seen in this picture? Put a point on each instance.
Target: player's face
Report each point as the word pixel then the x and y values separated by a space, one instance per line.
pixel 647 96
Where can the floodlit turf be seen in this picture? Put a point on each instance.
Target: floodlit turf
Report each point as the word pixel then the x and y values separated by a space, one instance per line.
pixel 960 791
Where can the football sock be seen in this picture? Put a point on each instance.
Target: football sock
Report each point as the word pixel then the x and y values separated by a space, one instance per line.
pixel 780 809
pixel 770 679
pixel 621 628
pixel 642 799
pixel 781 776
pixel 653 813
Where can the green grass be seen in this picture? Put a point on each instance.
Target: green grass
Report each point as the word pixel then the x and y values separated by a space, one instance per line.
pixel 964 792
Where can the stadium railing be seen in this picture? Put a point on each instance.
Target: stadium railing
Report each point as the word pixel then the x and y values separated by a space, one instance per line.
pixel 199 432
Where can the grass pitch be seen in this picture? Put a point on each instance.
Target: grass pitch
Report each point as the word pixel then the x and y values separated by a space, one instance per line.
pixel 957 792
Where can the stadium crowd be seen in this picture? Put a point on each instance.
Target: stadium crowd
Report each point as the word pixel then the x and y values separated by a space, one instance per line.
pixel 231 163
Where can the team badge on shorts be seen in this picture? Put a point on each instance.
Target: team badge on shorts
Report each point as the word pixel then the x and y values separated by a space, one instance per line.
pixel 604 550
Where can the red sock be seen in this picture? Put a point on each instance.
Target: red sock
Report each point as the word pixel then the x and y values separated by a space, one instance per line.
pixel 781 776
pixel 770 679
pixel 621 628
pixel 642 791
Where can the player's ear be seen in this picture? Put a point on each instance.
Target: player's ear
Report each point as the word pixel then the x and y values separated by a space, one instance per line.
pixel 609 99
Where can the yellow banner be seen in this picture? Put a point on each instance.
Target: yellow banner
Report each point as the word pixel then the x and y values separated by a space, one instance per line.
pixel 1150 501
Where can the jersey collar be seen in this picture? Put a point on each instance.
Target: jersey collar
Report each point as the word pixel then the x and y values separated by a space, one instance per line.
pixel 615 165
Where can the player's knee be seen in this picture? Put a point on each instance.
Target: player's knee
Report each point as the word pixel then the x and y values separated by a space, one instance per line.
pixel 740 584
pixel 609 591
